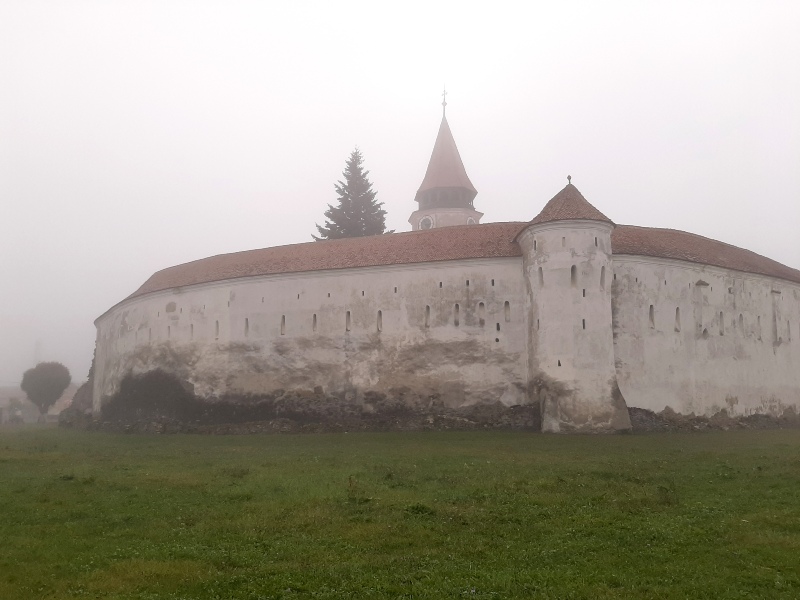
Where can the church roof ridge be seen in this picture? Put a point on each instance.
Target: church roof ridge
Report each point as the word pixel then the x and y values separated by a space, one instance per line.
pixel 445 167
pixel 569 205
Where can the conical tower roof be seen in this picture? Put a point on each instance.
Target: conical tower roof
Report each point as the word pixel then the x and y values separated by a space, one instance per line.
pixel 569 205
pixel 445 169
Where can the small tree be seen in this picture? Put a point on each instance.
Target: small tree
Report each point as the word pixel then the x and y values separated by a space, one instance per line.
pixel 358 213
pixel 45 383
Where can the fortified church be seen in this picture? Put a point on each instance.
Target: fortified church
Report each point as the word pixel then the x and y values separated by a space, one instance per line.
pixel 568 311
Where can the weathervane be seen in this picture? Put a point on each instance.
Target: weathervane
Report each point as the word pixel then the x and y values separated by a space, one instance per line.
pixel 444 100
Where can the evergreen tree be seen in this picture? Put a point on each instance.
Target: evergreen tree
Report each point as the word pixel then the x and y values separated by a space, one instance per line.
pixel 358 213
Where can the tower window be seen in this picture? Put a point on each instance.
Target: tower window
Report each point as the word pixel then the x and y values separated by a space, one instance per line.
pixel 595 242
pixel 677 319
pixel 314 322
pixel 456 315
pixel 602 278
pixel 584 292
pixel 573 276
pixel 481 314
pixel 169 332
pixel 507 311
pixel 583 322
pixel 492 282
pixel 216 330
pixel 246 327
pixel 467 282
pixel 652 317
pixel 534 245
pixel 541 277
pixel 427 316
pixel 283 324
pixel 721 324
pixel 191 331
pixel 347 321
pixel 498 326
pixel 563 242
pixel 380 321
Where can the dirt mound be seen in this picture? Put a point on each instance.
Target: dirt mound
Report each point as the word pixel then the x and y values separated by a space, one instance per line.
pixel 647 421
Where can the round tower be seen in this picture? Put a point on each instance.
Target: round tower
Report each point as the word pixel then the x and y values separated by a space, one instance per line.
pixel 567 259
pixel 446 195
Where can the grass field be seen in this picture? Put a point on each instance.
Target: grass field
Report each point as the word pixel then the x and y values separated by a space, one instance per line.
pixel 399 515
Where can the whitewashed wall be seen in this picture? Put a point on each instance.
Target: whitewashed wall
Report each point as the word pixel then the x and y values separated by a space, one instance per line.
pixel 258 335
pixel 735 343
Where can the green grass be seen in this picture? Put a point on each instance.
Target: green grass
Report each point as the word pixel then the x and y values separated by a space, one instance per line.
pixel 399 515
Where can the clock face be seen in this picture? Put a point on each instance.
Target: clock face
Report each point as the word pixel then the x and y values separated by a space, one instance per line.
pixel 426 223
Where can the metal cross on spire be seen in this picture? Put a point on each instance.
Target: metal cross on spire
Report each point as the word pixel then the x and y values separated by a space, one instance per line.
pixel 444 100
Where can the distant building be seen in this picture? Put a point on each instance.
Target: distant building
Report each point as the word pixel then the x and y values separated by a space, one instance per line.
pixel 568 311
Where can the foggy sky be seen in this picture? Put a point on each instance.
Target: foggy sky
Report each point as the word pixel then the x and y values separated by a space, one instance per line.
pixel 138 135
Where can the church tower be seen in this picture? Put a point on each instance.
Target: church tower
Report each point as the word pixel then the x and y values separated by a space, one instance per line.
pixel 446 194
pixel 566 254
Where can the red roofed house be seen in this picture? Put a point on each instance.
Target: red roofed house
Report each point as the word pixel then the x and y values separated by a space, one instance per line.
pixel 568 311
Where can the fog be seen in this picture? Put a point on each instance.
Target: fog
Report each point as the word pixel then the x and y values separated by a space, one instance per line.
pixel 137 135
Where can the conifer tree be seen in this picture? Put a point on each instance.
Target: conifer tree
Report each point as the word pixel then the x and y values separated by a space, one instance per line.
pixel 358 214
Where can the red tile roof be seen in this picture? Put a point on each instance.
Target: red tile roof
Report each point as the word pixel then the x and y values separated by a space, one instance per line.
pixel 445 169
pixel 491 240
pixel 448 243
pixel 680 245
pixel 569 205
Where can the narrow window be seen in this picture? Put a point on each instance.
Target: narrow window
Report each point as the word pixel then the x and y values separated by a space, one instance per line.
pixel 492 282
pixel 652 317
pixel 467 282
pixel 615 276
pixel 481 314
pixel 191 331
pixel 169 332
pixel 541 277
pixel 246 327
pixel 559 363
pixel 534 245
pixel 314 322
pixel 573 276
pixel 595 242
pixel 298 296
pixel 395 290
pixel 602 278
pixel 283 324
pixel 329 294
pixel 721 324
pixel 216 330
pixel 347 321
pixel 380 321
pixel 759 329
pixel 537 323
pixel 584 292
pixel 584 323
pixel 149 335
pixel 362 292
pixel 229 303
pixel 440 284
pixel 678 319
pixel 788 331
pixel 427 316
pixel 563 242
pixel 456 315
pixel 262 299
pixel 741 323
pixel 507 311
pixel 498 326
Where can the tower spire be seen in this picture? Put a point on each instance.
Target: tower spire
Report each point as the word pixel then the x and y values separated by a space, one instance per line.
pixel 446 194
